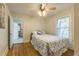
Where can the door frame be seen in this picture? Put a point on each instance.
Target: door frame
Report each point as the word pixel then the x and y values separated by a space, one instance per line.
pixel 9 32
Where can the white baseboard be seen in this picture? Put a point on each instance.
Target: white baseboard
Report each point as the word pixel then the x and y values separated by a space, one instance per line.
pixel 5 52
pixel 76 54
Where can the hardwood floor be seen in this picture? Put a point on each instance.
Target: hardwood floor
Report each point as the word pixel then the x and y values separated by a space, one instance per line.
pixel 23 49
pixel 26 49
pixel 68 53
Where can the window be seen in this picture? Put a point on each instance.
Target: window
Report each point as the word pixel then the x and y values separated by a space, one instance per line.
pixel 63 27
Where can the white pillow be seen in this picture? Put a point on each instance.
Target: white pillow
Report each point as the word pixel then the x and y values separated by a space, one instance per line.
pixel 38 32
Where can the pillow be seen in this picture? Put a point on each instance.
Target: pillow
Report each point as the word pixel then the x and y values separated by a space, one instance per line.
pixel 40 33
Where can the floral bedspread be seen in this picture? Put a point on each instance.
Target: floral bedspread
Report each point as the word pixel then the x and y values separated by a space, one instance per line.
pixel 47 44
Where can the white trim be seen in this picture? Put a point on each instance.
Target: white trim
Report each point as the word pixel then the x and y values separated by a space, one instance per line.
pixel 5 52
pixel 76 55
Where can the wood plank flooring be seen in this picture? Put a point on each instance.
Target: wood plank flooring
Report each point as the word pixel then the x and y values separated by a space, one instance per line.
pixel 26 49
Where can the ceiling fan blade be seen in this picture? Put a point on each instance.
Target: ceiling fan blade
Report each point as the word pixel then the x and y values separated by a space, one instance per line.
pixel 53 8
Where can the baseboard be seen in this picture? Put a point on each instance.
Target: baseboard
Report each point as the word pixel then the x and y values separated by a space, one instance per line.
pixel 76 55
pixel 5 52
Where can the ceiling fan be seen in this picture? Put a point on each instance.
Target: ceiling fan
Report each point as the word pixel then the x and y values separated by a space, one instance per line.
pixel 43 9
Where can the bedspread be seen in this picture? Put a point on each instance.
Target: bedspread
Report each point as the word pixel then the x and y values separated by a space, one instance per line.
pixel 46 44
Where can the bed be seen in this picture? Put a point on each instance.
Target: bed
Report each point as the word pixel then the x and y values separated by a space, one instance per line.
pixel 48 45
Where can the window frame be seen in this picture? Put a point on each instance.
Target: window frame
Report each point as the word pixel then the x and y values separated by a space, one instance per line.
pixel 60 18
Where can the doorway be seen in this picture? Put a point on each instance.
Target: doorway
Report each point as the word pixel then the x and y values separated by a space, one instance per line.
pixel 17 32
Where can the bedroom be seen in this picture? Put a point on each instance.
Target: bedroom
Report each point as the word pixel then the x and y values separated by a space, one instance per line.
pixel 50 23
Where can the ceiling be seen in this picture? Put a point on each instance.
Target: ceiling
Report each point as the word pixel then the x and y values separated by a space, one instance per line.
pixel 33 8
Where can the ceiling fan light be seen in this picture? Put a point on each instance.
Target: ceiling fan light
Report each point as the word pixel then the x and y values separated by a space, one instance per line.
pixel 40 13
pixel 44 13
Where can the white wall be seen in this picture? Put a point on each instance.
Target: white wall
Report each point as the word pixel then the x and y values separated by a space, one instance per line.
pixel 76 29
pixel 4 35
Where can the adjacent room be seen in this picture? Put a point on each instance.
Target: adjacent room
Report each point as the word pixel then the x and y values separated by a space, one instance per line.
pixel 39 29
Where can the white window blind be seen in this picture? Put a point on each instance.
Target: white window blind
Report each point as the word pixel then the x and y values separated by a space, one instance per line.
pixel 63 27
